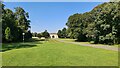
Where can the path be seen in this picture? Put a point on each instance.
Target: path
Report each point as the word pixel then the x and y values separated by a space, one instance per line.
pixel 93 45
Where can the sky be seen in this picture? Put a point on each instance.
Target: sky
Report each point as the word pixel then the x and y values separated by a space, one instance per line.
pixel 51 16
pixel 58 0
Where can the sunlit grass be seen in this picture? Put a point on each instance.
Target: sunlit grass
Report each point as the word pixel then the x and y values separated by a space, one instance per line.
pixel 55 53
pixel 73 40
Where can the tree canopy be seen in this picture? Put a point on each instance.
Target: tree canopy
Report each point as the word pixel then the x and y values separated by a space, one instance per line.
pixel 62 33
pixel 14 24
pixel 101 25
pixel 45 34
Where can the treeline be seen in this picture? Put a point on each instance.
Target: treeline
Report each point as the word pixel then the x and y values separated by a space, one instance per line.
pixel 42 34
pixel 101 25
pixel 62 33
pixel 14 24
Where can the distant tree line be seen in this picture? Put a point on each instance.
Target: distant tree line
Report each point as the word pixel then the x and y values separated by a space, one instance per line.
pixel 101 25
pixel 42 34
pixel 62 33
pixel 14 24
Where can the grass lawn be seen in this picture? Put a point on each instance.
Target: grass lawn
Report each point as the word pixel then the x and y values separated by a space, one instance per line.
pixel 117 45
pixel 55 53
pixel 73 40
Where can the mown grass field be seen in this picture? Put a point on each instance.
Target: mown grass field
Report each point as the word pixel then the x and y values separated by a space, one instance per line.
pixel 73 40
pixel 55 53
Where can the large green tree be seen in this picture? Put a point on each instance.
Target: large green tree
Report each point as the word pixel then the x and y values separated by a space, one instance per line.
pixel 101 25
pixel 17 21
pixel 22 19
pixel 75 26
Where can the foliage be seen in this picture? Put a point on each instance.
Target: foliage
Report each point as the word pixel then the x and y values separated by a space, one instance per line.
pixel 15 23
pixel 75 26
pixel 28 35
pixel 34 34
pixel 42 34
pixel 62 33
pixel 45 34
pixel 59 33
pixel 101 25
pixel 8 36
pixel 39 35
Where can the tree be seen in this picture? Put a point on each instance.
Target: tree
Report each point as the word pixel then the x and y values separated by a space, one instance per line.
pixel 106 23
pixel 62 33
pixel 22 19
pixel 75 26
pixel 101 25
pixel 7 21
pixel 45 34
pixel 28 35
pixel 39 35
pixel 8 36
pixel 18 22
pixel 59 33
pixel 34 34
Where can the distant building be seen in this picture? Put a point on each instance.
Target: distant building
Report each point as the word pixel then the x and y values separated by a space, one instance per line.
pixel 43 38
pixel 53 35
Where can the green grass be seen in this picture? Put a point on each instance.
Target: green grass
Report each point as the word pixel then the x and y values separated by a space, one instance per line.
pixel 68 40
pixel 73 40
pixel 117 45
pixel 55 53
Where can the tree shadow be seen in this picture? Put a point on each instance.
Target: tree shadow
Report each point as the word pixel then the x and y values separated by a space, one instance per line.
pixel 80 40
pixel 27 44
pixel 7 47
pixel 34 40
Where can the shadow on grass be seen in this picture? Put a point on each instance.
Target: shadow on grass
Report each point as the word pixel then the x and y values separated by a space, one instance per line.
pixel 6 47
pixel 34 40
pixel 29 43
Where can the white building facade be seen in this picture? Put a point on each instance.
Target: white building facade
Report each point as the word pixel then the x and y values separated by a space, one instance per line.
pixel 53 35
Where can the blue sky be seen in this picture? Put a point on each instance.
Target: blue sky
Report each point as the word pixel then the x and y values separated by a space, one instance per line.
pixel 51 16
